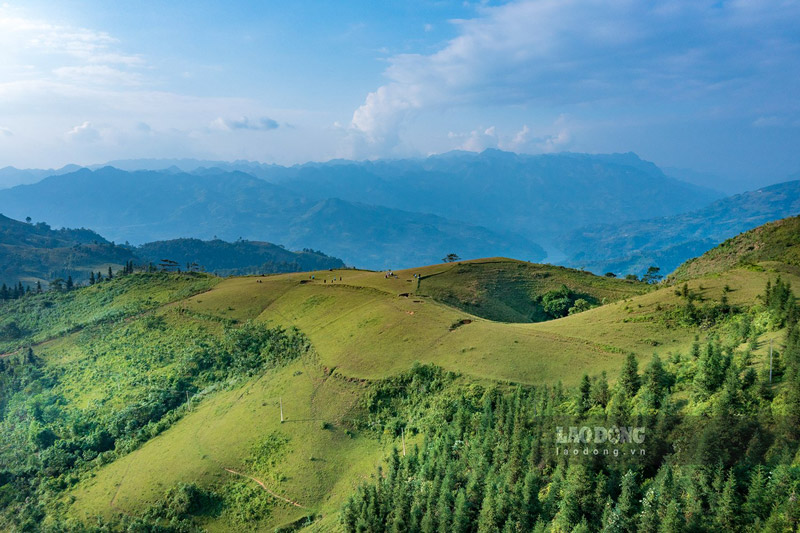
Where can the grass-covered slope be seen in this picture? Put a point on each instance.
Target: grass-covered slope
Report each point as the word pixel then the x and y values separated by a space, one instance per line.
pixel 366 325
pixel 776 241
pixel 506 290
pixel 158 397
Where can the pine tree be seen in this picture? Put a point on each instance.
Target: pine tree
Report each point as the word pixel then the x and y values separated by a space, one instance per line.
pixel 429 518
pixel 629 381
pixel 70 284
pixel 583 527
pixel 444 507
pixel 461 515
pixel 627 504
pixel 648 518
pixel 727 515
pixel 710 371
pixel 611 519
pixel 584 395
pixel 91 278
pixel 487 520
pixel 673 519
pixel 600 391
pixel 530 501
pixel 110 274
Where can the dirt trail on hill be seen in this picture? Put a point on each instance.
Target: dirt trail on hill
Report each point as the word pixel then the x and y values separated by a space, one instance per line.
pixel 263 486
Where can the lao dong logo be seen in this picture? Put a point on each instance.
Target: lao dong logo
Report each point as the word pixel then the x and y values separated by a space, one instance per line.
pixel 599 440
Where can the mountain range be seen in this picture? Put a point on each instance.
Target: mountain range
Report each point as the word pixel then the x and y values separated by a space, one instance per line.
pixel 612 212
pixel 669 241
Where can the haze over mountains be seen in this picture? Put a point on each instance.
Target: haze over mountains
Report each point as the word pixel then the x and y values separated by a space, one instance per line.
pixel 147 206
pixel 31 253
pixel 669 241
pixel 575 209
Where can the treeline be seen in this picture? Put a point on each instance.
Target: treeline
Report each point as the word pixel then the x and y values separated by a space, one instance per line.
pixel 18 291
pixel 60 284
pixel 720 446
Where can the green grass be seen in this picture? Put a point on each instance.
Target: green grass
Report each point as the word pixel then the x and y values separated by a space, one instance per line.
pixel 364 327
pixel 774 242
pixel 321 469
pixel 509 291
pixel 45 316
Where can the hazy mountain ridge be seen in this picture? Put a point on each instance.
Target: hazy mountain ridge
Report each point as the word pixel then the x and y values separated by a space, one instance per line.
pixel 603 212
pixel 11 176
pixel 539 196
pixel 145 206
pixel 669 241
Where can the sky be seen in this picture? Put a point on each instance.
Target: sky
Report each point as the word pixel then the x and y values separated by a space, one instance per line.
pixel 708 86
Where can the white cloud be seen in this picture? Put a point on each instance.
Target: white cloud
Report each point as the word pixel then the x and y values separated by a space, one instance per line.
pixel 40 50
pixel 85 133
pixel 551 53
pixel 97 74
pixel 6 132
pixel 553 138
pixel 245 123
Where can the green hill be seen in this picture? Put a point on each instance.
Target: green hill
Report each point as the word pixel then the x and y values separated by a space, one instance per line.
pixel 236 258
pixel 514 291
pixel 31 253
pixel 158 398
pixel 776 241
pixel 36 252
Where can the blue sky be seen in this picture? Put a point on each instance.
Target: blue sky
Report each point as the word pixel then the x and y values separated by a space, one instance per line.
pixel 709 86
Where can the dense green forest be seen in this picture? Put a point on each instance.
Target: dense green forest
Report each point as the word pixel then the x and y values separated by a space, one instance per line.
pixel 720 445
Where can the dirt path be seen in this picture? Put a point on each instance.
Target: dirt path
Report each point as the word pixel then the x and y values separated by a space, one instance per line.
pixel 278 496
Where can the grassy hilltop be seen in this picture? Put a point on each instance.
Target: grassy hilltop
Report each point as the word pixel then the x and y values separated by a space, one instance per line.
pixel 154 389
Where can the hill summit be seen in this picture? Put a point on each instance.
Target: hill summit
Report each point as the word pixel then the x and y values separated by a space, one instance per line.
pixel 777 241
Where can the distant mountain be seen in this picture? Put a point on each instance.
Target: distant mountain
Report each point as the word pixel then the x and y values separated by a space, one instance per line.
pixel 669 241
pixel 147 206
pixel 36 252
pixel 236 258
pixel 538 196
pixel 541 196
pixel 775 241
pixel 10 176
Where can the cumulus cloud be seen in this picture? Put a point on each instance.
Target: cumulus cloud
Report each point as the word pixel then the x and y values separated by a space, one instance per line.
pixel 477 140
pixel 6 132
pixel 245 123
pixel 553 138
pixel 574 52
pixel 85 133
